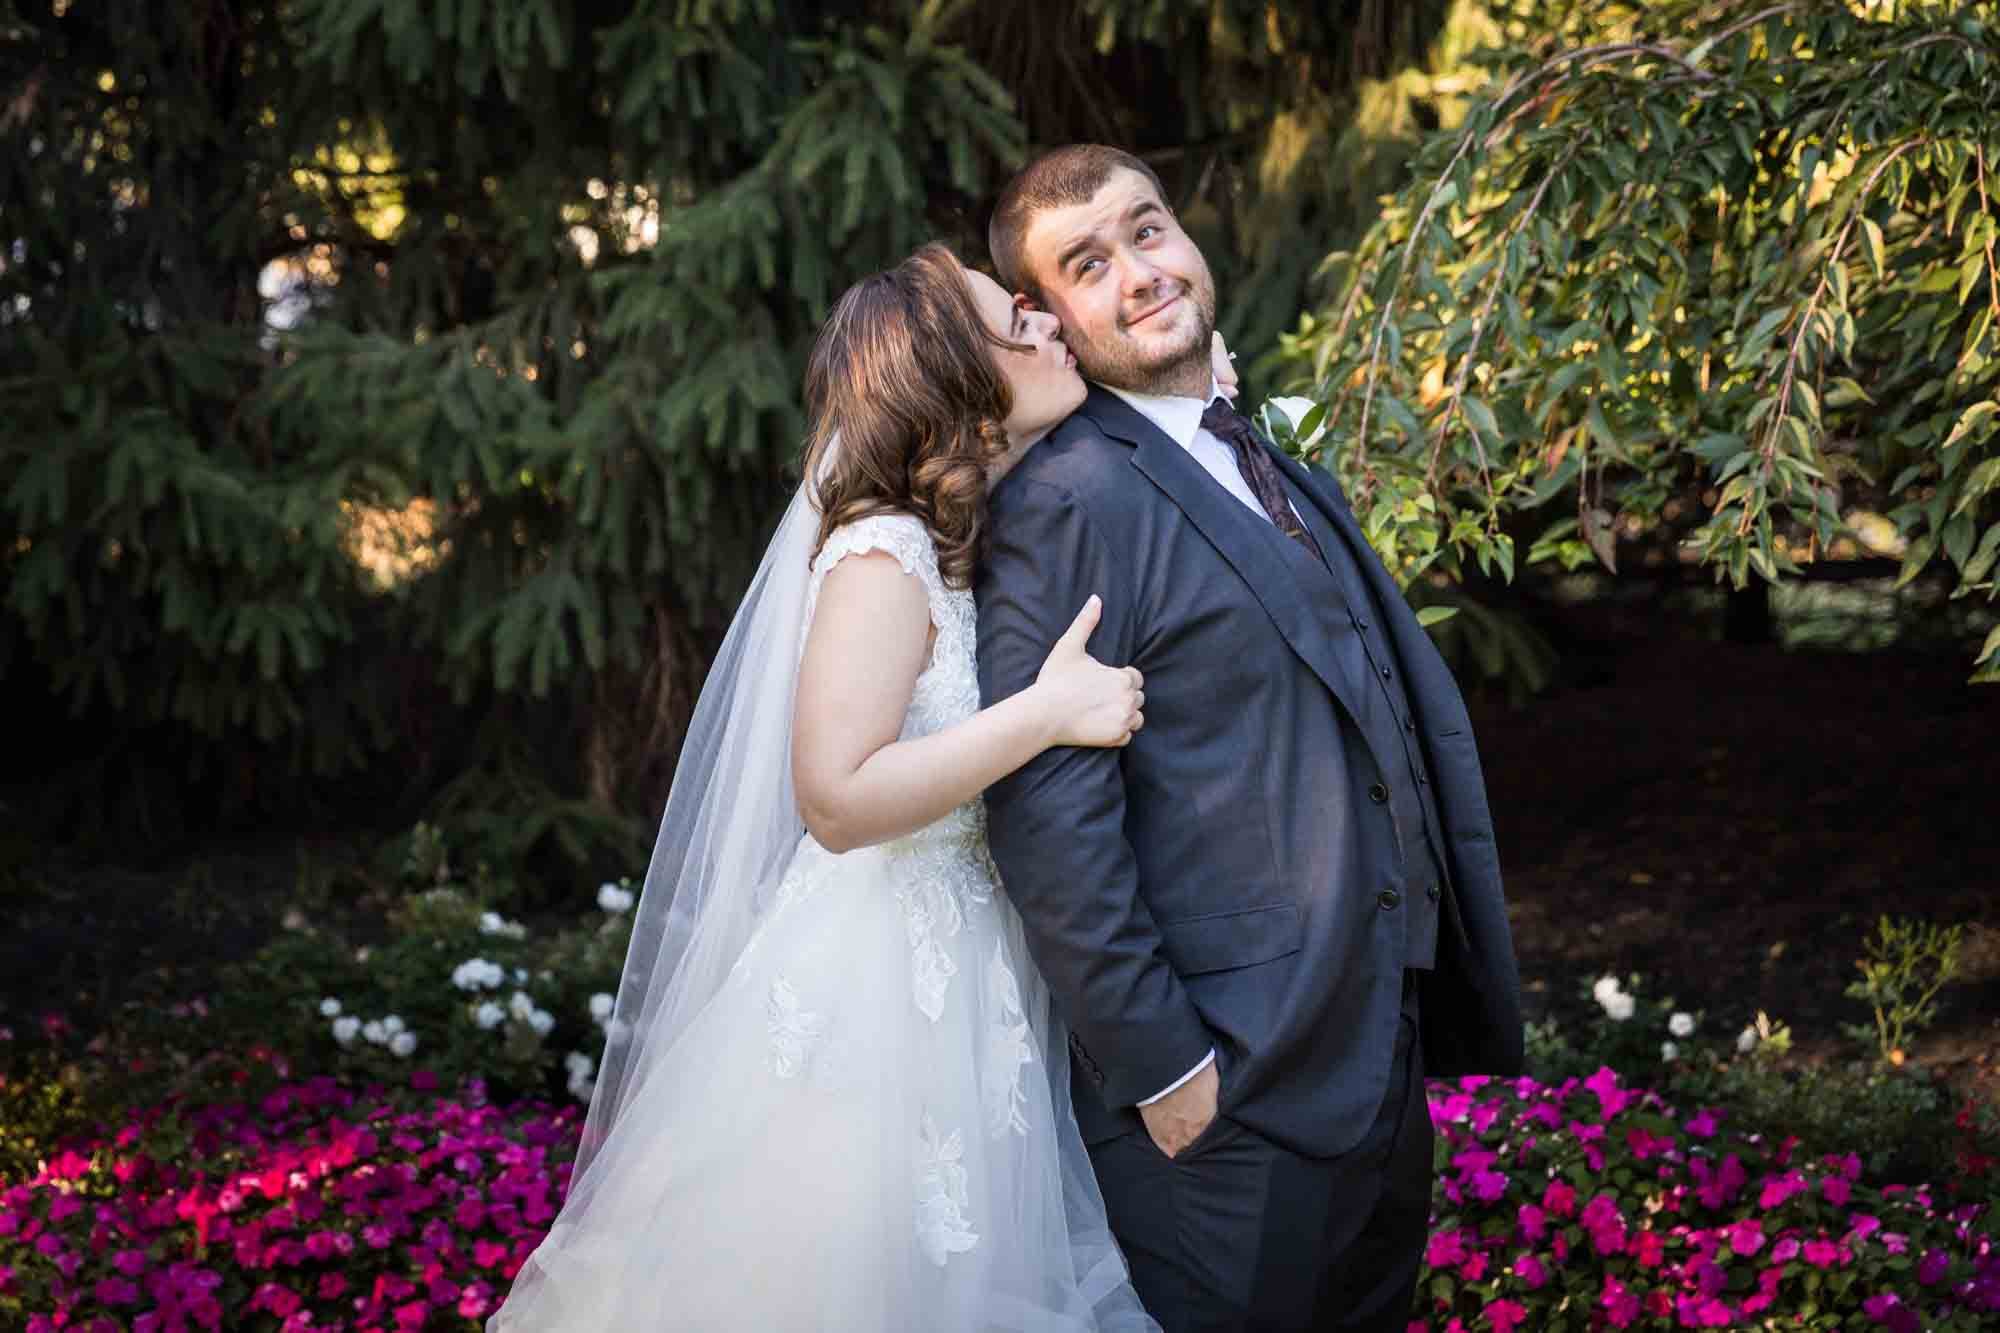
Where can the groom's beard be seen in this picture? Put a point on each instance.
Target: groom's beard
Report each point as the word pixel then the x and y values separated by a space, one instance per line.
pixel 1119 362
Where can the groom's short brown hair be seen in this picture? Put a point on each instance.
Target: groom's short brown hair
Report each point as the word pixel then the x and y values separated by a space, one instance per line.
pixel 1064 176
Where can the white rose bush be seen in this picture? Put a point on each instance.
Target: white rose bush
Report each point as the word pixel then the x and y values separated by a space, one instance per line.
pixel 457 990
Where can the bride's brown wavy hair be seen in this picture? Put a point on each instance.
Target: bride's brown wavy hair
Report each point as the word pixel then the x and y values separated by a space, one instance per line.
pixel 903 372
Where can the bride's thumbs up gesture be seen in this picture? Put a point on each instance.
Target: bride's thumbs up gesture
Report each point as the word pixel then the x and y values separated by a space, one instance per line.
pixel 1089 703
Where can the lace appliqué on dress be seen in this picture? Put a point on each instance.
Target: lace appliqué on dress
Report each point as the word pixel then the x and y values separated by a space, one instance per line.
pixel 929 907
pixel 942 1198
pixel 794 1030
pixel 1006 1049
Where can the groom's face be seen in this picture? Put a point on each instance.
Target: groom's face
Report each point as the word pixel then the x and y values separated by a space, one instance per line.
pixel 1134 295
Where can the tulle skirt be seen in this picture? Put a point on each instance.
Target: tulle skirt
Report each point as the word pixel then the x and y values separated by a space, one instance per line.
pixel 864 1129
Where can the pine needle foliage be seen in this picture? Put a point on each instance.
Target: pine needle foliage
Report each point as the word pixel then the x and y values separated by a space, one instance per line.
pixel 404 388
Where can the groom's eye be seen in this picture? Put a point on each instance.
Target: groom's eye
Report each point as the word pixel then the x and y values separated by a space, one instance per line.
pixel 1148 231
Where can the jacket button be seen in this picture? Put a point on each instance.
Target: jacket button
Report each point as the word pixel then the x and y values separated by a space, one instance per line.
pixel 1410 725
pixel 1432 893
pixel 1359 623
pixel 1423 781
pixel 1378 794
pixel 1385 673
pixel 1388 898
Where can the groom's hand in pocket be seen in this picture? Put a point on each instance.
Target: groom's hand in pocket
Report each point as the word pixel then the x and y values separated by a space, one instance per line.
pixel 1178 1119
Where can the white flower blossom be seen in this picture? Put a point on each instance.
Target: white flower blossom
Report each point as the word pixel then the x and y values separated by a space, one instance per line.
pixel 392 1024
pixel 403 1043
pixel 541 1020
pixel 581 1086
pixel 520 976
pixel 329 1007
pixel 1619 1007
pixel 600 1007
pixel 373 1032
pixel 1681 1025
pixel 1605 988
pixel 492 923
pixel 345 1030
pixel 614 900
pixel 579 1065
pixel 521 1004
pixel 478 974
pixel 489 1015
pixel 1746 1040
pixel 1669 1051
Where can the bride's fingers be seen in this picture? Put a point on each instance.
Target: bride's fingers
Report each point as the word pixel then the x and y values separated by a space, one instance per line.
pixel 1138 701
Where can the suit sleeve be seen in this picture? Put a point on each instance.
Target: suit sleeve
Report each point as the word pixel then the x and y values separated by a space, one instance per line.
pixel 1057 824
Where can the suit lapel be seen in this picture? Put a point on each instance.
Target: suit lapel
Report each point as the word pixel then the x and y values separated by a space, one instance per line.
pixel 1218 516
pixel 1431 687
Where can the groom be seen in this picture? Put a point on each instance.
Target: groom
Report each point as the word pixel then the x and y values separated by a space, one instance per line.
pixel 1278 909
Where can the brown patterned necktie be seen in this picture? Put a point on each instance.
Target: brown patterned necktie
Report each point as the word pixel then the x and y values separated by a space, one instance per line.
pixel 1225 423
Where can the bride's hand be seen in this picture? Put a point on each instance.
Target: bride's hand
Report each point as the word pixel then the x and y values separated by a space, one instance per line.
pixel 1225 369
pixel 1089 703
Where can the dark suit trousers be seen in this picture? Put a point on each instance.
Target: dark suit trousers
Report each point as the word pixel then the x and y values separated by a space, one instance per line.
pixel 1238 1233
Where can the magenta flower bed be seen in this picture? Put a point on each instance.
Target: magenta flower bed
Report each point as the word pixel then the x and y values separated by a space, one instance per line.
pixel 1590 1205
pixel 315 1208
pixel 1581 1206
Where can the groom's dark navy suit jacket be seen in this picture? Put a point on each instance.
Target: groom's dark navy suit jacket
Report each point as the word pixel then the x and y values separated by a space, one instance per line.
pixel 1233 879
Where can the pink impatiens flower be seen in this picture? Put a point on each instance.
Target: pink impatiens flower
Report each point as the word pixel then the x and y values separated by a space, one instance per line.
pixel 1746 1237
pixel 1620 1306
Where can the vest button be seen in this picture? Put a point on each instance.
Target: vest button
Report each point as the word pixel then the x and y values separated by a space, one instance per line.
pixel 1385 673
pixel 1378 794
pixel 1431 893
pixel 1410 725
pixel 1388 898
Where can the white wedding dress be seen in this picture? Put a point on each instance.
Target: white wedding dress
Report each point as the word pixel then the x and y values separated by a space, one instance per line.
pixel 858 1131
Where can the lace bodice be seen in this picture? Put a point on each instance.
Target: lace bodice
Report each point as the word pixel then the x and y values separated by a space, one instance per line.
pixel 947 691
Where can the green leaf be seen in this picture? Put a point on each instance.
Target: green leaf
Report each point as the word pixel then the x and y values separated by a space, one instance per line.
pixel 1916 558
pixel 1969 420
pixel 1977 483
pixel 1437 615
pixel 1480 415
pixel 1871 238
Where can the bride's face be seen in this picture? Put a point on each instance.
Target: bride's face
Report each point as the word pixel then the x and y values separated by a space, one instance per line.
pixel 1042 379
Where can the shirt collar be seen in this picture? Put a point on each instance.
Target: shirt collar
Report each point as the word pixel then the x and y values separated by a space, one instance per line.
pixel 1179 417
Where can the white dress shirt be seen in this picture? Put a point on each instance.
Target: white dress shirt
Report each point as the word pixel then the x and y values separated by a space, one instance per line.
pixel 1180 418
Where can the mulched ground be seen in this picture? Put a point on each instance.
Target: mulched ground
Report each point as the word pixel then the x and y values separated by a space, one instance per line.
pixel 1727 821
pixel 1730 821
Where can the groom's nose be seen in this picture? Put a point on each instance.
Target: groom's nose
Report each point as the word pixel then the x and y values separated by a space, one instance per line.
pixel 1139 272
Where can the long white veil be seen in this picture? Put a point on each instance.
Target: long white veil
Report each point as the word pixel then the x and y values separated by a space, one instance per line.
pixel 730 829
pixel 731 823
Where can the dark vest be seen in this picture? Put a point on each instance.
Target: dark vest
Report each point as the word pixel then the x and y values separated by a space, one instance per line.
pixel 1383 728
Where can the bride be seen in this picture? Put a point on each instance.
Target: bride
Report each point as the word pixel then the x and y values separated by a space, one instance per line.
pixel 834 1097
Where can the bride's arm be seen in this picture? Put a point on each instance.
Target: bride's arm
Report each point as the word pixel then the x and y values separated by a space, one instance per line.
pixel 857 784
